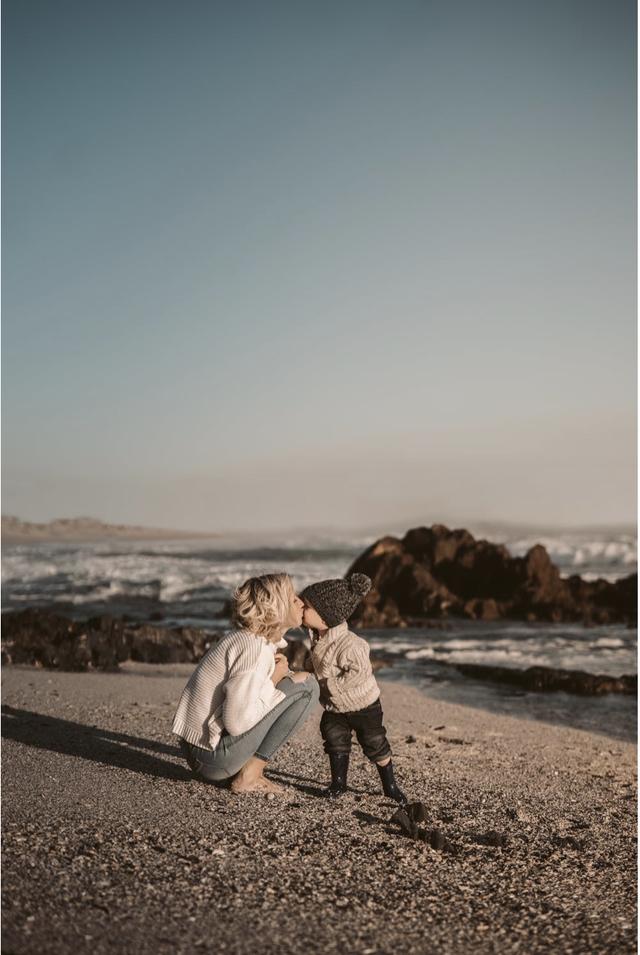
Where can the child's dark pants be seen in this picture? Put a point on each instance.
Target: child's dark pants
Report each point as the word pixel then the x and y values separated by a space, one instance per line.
pixel 336 729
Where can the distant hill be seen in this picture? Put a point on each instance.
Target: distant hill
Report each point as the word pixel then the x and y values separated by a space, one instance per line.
pixel 16 531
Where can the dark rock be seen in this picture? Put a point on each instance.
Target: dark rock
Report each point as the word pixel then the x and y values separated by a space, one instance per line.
pixel 435 573
pixel 108 643
pixel 158 645
pixel 550 679
pixel 44 638
pixel 226 611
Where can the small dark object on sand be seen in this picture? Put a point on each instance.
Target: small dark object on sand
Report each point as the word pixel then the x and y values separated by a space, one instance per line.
pixel 411 739
pixel 568 842
pixel 437 839
pixel 417 811
pixel 405 823
pixel 408 818
pixel 492 838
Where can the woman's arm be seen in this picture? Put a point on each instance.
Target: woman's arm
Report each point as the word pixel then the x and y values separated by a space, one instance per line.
pixel 249 693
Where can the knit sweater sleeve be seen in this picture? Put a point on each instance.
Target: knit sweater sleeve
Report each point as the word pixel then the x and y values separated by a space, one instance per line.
pixel 249 693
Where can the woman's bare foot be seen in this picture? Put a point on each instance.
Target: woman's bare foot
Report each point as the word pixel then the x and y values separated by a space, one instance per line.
pixel 246 786
pixel 258 785
pixel 250 776
pixel 251 780
pixel 268 786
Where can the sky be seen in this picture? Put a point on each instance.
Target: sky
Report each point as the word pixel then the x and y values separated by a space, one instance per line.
pixel 287 264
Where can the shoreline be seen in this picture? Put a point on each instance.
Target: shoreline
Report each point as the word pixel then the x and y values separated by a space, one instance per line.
pixel 134 855
pixel 611 715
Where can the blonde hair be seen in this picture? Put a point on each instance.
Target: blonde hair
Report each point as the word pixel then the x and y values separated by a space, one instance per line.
pixel 261 604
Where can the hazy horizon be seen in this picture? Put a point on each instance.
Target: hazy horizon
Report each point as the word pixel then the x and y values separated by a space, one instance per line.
pixel 282 266
pixel 392 526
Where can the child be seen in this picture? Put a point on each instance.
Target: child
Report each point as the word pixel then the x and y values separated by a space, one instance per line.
pixel 348 689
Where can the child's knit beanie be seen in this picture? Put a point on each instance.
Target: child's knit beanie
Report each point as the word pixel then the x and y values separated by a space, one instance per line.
pixel 335 600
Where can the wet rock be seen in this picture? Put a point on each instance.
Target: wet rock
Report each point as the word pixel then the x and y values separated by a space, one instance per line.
pixel 43 638
pixel 547 679
pixel 435 573
pixel 158 645
pixel 47 639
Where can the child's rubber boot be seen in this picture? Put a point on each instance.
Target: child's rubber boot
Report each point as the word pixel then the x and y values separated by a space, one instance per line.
pixel 339 768
pixel 389 784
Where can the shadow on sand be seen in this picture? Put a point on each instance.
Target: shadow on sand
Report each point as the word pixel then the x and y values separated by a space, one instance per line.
pixel 92 743
pixel 298 782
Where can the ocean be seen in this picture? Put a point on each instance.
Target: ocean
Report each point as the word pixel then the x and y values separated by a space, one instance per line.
pixel 187 583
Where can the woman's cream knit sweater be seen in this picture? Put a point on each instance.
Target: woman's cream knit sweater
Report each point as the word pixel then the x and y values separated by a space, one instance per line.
pixel 343 669
pixel 229 691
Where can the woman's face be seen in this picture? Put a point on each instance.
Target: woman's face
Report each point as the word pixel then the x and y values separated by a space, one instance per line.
pixel 296 608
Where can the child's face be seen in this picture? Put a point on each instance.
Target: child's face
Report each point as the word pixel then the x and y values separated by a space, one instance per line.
pixel 311 618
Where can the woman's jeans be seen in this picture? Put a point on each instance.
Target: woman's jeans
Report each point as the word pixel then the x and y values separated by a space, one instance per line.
pixel 262 740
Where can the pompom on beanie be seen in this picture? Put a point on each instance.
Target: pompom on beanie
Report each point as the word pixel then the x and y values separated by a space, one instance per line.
pixel 335 600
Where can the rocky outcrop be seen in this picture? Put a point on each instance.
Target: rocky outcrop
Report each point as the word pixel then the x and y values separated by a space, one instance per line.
pixel 435 573
pixel 43 638
pixel 545 679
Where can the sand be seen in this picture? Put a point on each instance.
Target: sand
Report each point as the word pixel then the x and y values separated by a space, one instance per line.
pixel 110 846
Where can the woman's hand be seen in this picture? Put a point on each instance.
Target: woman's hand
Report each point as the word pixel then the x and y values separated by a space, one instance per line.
pixel 281 669
pixel 298 677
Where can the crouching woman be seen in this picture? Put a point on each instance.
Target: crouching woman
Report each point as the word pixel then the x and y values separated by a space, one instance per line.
pixel 242 702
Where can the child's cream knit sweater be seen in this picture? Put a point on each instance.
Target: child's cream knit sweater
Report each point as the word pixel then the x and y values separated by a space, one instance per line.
pixel 342 666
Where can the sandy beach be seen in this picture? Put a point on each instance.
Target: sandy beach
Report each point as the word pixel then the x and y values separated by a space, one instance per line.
pixel 110 846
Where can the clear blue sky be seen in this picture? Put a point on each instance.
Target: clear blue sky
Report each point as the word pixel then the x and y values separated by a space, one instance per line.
pixel 272 264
